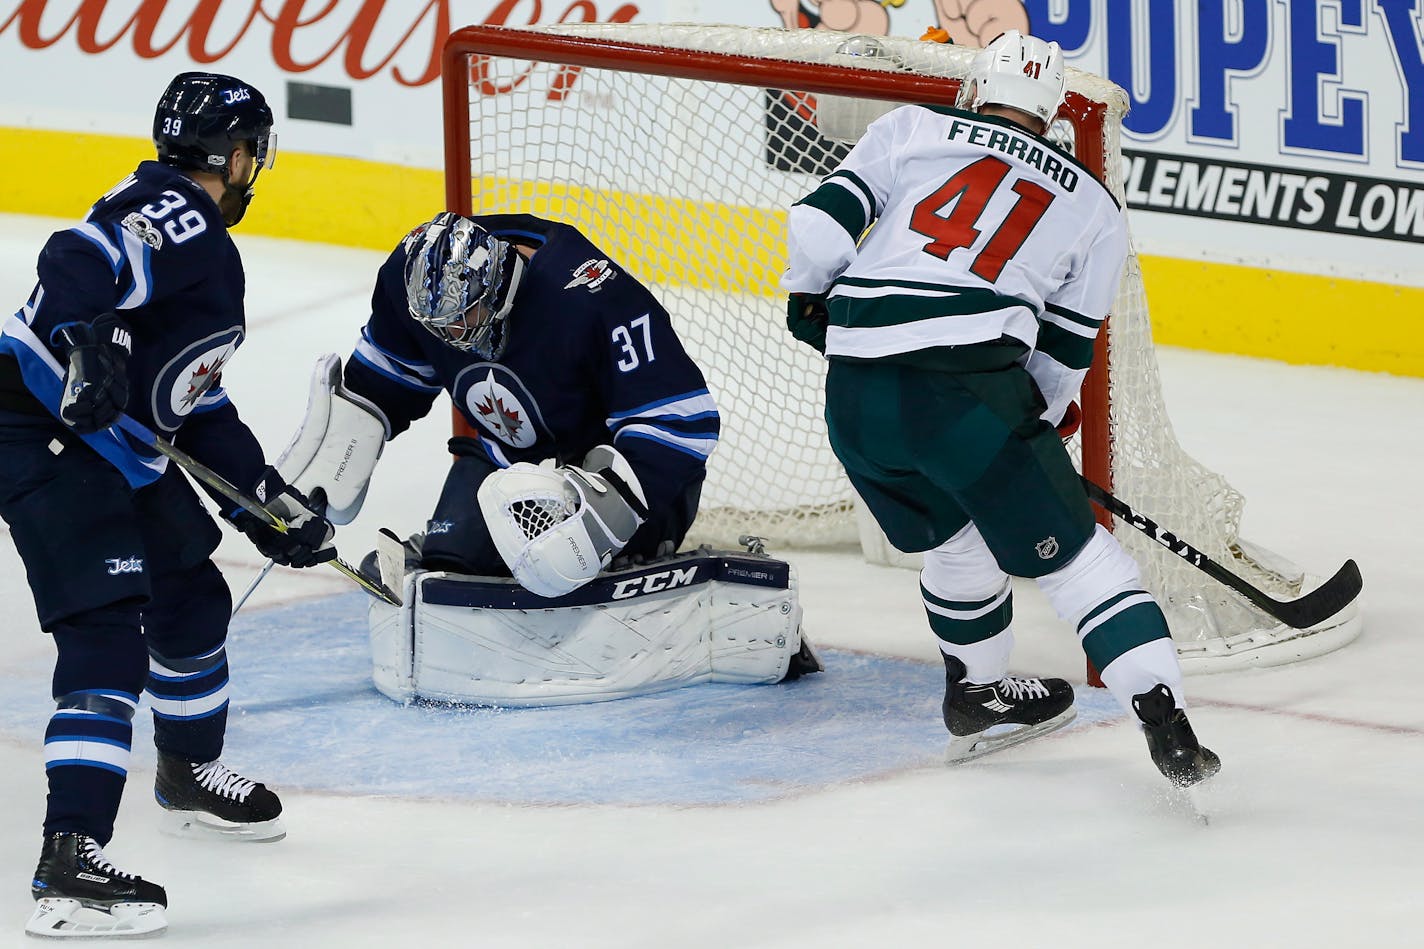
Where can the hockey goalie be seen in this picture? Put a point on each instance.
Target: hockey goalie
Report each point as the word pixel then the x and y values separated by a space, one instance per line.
pixel 546 574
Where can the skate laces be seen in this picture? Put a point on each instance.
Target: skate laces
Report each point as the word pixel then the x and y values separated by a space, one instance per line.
pixel 1020 689
pixel 220 779
pixel 94 856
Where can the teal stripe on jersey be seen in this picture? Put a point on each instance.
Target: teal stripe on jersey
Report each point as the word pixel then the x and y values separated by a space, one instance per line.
pixel 841 206
pixel 966 622
pixel 1072 316
pixel 1124 631
pixel 896 309
pixel 851 178
pixel 1072 350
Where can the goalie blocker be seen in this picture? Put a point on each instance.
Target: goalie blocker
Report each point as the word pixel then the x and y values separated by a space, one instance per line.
pixel 702 616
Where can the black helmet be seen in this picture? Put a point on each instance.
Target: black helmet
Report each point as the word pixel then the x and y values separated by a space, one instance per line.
pixel 201 116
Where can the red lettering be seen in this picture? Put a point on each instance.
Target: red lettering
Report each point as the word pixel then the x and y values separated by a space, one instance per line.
pixel 28 14
pixel 285 23
pixel 359 60
pixel 201 25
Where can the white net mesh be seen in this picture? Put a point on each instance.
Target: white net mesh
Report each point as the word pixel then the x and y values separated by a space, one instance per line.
pixel 686 183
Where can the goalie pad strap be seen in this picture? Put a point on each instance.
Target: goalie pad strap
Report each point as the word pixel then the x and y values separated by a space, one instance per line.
pixel 337 445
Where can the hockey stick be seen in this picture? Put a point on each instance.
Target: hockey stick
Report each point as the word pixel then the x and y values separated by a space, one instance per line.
pixel 222 486
pixel 266 568
pixel 1314 608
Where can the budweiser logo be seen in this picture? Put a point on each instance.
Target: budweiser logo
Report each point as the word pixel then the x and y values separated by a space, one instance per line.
pixel 365 36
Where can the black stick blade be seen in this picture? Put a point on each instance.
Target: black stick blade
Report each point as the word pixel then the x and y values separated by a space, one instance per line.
pixel 1325 601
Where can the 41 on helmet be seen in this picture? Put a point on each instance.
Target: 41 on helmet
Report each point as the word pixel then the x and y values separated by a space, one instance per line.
pixel 1018 71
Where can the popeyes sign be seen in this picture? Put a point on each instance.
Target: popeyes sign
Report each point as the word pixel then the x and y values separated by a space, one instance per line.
pixel 367 38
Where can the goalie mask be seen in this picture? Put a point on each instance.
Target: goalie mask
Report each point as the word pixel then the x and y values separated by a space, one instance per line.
pixel 1021 72
pixel 460 283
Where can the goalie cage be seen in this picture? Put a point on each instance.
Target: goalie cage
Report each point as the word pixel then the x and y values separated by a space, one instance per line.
pixel 678 148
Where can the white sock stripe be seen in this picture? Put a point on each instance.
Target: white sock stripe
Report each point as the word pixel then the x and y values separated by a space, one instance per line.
pixel 993 605
pixel 1135 599
pixel 164 672
pixel 189 708
pixel 85 750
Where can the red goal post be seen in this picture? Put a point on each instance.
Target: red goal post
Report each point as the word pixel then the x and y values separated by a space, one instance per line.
pixel 678 148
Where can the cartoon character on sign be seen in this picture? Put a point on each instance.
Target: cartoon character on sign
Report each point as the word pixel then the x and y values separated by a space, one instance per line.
pixel 846 16
pixel 977 22
pixel 968 22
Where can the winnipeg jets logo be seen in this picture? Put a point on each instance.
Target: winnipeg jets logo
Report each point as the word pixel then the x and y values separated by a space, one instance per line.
pixel 234 96
pixel 1046 548
pixel 118 565
pixel 500 412
pixel 141 227
pixel 592 274
pixel 190 379
pixel 203 378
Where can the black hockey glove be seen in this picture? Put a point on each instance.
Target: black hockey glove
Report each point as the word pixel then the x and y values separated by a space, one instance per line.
pixel 807 318
pixel 307 541
pixel 96 383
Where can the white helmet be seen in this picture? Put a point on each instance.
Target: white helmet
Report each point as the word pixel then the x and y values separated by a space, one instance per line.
pixel 1022 72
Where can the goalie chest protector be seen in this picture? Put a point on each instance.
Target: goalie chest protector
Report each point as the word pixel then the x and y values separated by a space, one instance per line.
pixel 702 616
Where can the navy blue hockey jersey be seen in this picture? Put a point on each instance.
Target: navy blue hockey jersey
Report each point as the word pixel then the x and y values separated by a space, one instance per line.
pixel 154 249
pixel 592 359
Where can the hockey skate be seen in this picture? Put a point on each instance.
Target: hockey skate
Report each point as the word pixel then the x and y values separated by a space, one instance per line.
pixel 1170 740
pixel 79 893
pixel 985 718
pixel 210 800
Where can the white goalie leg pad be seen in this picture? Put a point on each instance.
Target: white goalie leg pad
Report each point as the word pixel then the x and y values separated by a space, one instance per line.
pixel 687 619
pixel 755 631
pixel 392 641
pixel 338 444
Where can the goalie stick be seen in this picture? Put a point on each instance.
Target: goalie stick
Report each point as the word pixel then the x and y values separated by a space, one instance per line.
pixel 1314 608
pixel 224 487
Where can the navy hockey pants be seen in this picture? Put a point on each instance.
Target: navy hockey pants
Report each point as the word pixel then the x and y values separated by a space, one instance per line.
pixel 121 579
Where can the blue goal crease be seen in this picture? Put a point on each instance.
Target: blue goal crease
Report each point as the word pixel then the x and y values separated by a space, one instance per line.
pixel 305 716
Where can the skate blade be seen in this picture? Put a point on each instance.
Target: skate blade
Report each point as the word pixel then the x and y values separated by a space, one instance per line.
pixel 58 918
pixel 1193 800
pixel 201 825
pixel 977 746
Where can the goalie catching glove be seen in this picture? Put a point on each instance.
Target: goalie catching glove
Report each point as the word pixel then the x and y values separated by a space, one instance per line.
pixel 307 539
pixel 557 528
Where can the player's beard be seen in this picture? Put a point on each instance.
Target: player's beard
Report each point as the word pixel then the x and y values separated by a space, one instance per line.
pixel 233 203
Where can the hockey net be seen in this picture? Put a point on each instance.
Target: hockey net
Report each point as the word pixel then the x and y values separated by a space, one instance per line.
pixel 678 148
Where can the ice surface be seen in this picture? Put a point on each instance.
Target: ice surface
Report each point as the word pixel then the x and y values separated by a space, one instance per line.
pixel 815 815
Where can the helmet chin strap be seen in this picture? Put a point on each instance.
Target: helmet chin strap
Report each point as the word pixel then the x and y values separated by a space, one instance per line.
pixel 241 195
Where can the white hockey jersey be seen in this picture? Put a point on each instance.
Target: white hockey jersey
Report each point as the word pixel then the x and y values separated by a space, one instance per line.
pixel 977 229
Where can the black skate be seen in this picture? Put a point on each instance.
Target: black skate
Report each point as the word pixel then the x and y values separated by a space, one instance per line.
pixel 986 718
pixel 211 800
pixel 1170 739
pixel 78 892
